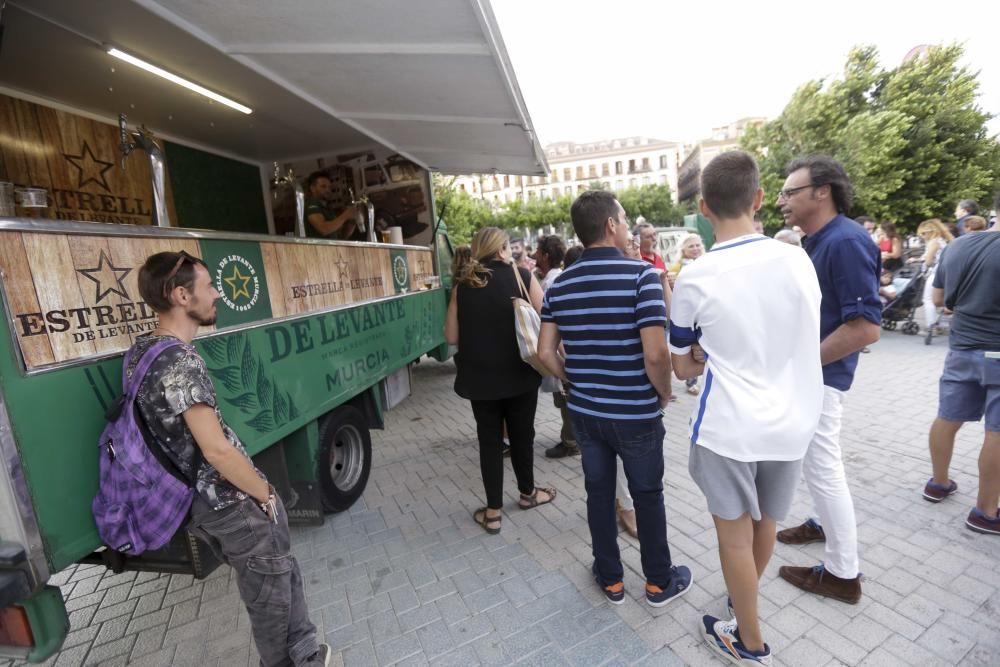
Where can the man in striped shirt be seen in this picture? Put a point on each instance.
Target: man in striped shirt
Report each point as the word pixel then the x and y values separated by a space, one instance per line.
pixel 607 311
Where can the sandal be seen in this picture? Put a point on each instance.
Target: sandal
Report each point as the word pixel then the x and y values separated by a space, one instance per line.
pixel 479 516
pixel 528 502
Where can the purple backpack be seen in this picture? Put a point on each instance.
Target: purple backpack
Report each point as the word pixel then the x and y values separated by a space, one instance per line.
pixel 142 498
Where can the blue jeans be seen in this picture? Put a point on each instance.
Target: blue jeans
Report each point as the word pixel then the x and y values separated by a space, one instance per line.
pixel 640 446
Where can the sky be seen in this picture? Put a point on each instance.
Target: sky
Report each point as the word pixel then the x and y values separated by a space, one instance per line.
pixel 674 70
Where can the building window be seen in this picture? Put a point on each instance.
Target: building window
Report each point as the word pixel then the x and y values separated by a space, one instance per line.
pixel 506 181
pixel 579 173
pixel 618 168
pixel 555 193
pixel 663 162
pixel 555 175
pixel 604 170
pixel 645 180
pixel 544 193
pixel 631 182
pixel 631 166
pixel 567 174
pixel 517 181
pixel 619 185
pixel 645 163
pixel 531 194
pixel 592 171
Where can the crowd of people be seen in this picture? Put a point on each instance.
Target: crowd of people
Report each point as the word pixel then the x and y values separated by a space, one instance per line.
pixel 769 333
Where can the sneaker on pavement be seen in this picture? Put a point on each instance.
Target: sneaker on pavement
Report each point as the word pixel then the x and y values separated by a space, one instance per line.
pixel 680 583
pixel 980 522
pixel 321 656
pixel 937 492
pixel 807 533
pixel 724 638
pixel 561 450
pixel 821 582
pixel 615 593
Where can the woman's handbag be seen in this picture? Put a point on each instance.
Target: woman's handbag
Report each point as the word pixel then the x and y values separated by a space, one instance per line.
pixel 526 326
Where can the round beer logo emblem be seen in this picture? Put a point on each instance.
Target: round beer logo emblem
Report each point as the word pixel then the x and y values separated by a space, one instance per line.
pixel 237 282
pixel 400 273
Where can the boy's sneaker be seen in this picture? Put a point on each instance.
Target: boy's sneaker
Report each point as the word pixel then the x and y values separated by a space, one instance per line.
pixel 615 593
pixel 981 523
pixel 937 492
pixel 724 638
pixel 680 582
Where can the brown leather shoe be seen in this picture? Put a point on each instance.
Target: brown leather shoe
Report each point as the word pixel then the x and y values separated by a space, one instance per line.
pixel 817 580
pixel 807 533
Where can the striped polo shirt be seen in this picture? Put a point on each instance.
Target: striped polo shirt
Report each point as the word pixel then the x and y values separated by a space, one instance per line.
pixel 599 304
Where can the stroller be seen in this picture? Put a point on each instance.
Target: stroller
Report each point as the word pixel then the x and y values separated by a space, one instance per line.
pixel 899 311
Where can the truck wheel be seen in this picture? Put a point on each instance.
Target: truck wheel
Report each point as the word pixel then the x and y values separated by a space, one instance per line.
pixel 345 457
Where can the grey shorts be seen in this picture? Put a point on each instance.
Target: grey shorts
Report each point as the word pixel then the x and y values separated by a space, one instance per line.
pixel 970 388
pixel 733 487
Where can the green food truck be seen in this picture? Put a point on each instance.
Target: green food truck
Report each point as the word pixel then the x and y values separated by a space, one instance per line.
pixel 330 287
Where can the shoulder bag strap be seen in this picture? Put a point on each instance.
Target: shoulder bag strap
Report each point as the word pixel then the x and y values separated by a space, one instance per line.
pixel 520 283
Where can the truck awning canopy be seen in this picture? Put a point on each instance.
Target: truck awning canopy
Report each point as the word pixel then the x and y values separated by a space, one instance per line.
pixel 429 79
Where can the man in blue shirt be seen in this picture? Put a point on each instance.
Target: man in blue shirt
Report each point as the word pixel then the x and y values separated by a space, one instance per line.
pixel 966 282
pixel 816 196
pixel 608 312
pixel 965 209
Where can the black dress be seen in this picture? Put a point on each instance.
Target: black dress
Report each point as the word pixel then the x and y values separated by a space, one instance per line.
pixel 488 361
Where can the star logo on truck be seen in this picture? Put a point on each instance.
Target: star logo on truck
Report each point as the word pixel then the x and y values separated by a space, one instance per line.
pixel 238 279
pixel 89 168
pixel 108 278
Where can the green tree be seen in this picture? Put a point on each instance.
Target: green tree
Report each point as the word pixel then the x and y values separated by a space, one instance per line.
pixel 912 139
pixel 463 214
pixel 652 202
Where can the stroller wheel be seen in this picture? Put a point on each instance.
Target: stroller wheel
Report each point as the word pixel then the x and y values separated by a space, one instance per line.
pixel 911 328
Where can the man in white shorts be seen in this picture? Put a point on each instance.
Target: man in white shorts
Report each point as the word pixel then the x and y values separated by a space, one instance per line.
pixel 752 305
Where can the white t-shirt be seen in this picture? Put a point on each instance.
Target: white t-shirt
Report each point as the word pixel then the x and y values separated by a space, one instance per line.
pixel 752 303
pixel 549 278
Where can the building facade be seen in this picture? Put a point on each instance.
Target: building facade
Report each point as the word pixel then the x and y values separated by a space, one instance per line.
pixel 619 164
pixel 697 155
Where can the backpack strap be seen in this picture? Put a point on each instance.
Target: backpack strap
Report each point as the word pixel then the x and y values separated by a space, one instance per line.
pixel 131 387
pixel 145 362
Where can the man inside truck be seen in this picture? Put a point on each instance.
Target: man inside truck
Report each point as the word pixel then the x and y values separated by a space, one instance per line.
pixel 235 510
pixel 323 222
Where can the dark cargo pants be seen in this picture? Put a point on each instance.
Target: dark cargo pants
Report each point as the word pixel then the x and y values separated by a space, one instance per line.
pixel 267 575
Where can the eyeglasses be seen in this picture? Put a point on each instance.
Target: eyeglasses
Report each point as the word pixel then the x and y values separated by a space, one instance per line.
pixel 788 192
pixel 184 257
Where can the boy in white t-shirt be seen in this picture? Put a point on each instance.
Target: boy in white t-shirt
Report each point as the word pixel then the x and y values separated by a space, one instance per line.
pixel 752 307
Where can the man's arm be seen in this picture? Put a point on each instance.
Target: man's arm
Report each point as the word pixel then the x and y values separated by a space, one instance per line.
pixel 548 350
pixel 848 338
pixel 656 358
pixel 220 453
pixel 686 367
pixel 937 296
pixel 328 227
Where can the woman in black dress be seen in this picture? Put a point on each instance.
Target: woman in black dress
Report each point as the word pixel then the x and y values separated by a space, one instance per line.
pixel 502 388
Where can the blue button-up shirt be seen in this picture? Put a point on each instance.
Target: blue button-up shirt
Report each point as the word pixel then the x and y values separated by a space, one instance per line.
pixel 848 265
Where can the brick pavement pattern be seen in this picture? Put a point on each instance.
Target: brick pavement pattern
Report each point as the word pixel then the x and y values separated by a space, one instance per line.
pixel 405 577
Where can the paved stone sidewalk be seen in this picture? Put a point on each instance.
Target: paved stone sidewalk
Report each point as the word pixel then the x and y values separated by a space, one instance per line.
pixel 406 578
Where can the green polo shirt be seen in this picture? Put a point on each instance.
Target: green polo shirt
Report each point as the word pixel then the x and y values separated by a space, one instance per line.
pixel 322 206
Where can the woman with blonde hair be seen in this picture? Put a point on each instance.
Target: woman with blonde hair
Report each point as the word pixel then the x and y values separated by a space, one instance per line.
pixel 500 386
pixel 935 237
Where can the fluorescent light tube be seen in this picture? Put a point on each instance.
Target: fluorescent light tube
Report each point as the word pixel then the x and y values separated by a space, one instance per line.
pixel 201 90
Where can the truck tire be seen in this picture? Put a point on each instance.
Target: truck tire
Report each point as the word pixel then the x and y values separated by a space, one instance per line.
pixel 345 457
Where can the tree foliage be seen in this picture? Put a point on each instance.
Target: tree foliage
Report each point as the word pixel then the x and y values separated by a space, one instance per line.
pixel 912 139
pixel 464 214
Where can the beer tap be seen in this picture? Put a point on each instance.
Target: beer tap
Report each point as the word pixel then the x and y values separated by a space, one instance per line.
pixel 369 229
pixel 143 138
pixel 288 179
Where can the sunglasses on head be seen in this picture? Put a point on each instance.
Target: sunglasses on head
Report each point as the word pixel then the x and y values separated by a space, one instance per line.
pixel 184 257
